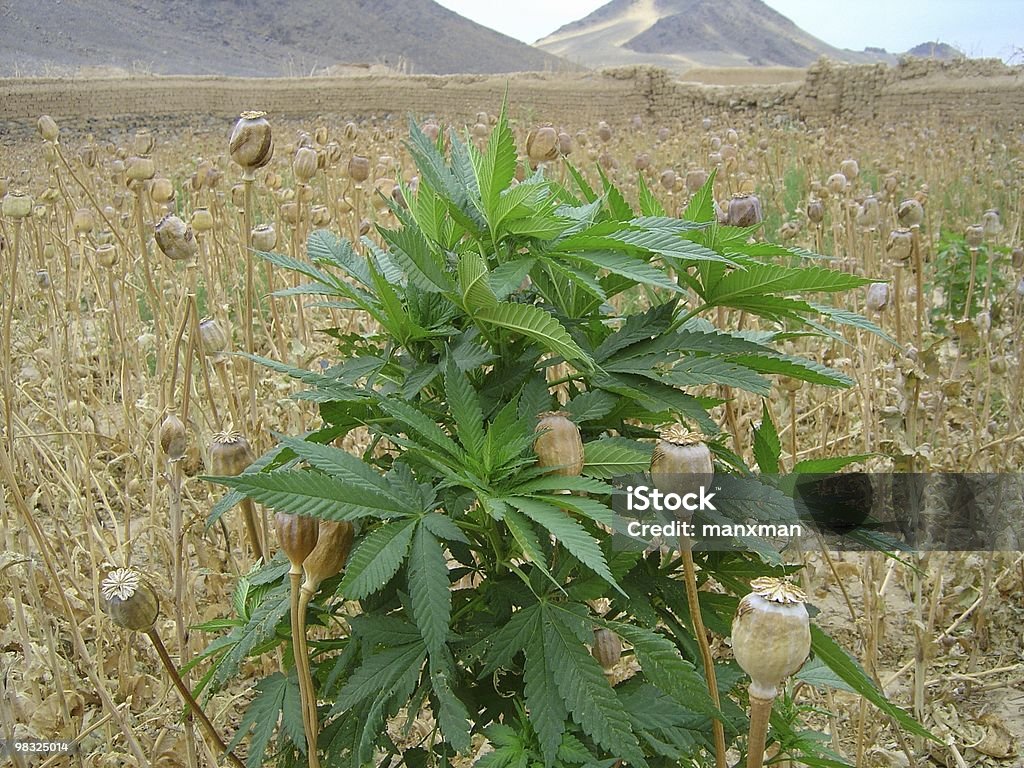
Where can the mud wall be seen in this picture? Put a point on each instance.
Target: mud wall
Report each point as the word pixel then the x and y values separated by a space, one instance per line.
pixel 829 91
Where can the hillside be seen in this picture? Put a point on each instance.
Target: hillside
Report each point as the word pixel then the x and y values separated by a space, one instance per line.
pixel 253 38
pixel 681 34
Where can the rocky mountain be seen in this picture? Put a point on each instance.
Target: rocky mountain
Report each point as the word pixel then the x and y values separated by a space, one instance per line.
pixel 253 38
pixel 681 34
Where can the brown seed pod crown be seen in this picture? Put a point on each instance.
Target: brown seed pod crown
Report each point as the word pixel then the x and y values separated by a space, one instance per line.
pixel 771 634
pixel 230 454
pixel 129 601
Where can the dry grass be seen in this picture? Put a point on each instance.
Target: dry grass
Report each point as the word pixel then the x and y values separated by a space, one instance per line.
pixel 101 354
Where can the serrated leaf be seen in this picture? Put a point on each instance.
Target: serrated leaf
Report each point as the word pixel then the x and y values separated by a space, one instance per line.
pixel 664 667
pixel 850 672
pixel 464 405
pixel 570 534
pixel 693 371
pixel 496 166
pixel 412 253
pixel 324 245
pixel 376 559
pixel 474 285
pixel 649 204
pixel 587 695
pixel 627 266
pixel 380 673
pixel 422 426
pixel 767 448
pixel 852 319
pixel 762 279
pixel 452 714
pixel 590 406
pixel 259 627
pixel 828 465
pixel 444 527
pixel 512 637
pixel 796 368
pixel 507 277
pixel 538 325
pixel 343 466
pixel 543 697
pixel 525 536
pixel 611 458
pixel 429 589
pixel 312 494
pixel 261 718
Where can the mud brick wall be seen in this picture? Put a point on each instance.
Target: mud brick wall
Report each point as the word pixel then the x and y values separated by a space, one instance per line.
pixel 915 89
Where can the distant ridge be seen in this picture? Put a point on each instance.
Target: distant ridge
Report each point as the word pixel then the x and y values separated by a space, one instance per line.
pixel 265 38
pixel 681 34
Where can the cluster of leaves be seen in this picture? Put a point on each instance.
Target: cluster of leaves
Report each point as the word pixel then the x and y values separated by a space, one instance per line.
pixel 474 571
pixel 956 269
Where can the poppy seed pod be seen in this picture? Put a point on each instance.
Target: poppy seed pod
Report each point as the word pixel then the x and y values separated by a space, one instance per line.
pixel 1017 257
pixel 251 143
pixel 359 168
pixel 47 128
pixel 214 339
pixel 129 601
pixel 297 535
pixel 974 236
pixel 900 244
pixel 681 462
pixel 143 142
pixel 558 444
pixel 106 255
pixel 16 205
pixel 604 131
pixel 869 213
pixel 850 169
pixel 161 190
pixel 328 557
pixel 564 143
pixel 815 210
pixel 836 183
pixel 878 297
pixel 607 648
pixel 140 168
pixel 83 222
pixel 431 129
pixel 230 454
pixel 264 237
pixel 304 164
pixel 668 179
pixel 202 220
pixel 744 210
pixel 176 239
pixel 542 145
pixel 695 179
pixel 642 161
pixel 771 634
pixel 991 223
pixel 910 213
pixel 173 439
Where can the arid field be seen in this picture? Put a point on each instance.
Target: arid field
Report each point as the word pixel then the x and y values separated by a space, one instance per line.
pixel 134 303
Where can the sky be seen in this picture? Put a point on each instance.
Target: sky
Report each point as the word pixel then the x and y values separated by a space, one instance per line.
pixel 978 27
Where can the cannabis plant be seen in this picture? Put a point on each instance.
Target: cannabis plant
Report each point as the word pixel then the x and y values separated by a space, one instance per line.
pixel 478 577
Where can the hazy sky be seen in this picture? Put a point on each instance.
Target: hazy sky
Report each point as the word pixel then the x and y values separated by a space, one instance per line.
pixel 978 27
